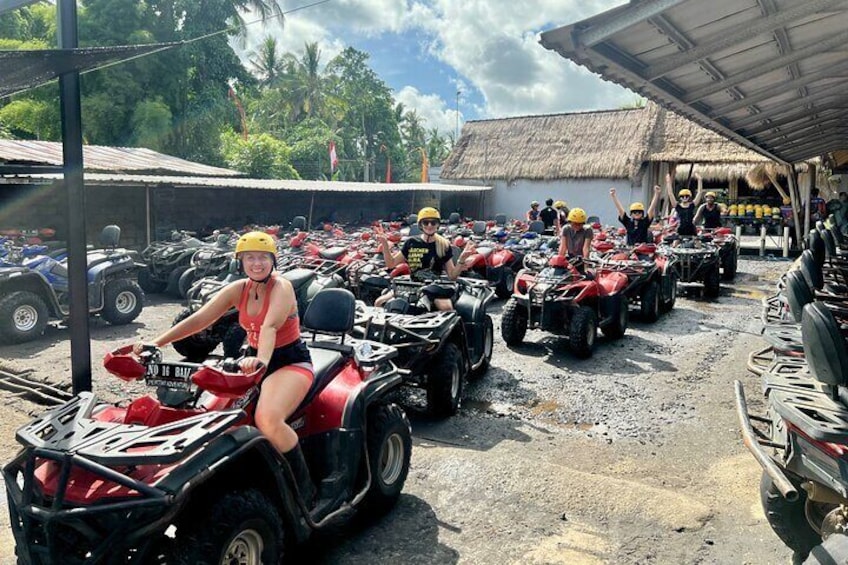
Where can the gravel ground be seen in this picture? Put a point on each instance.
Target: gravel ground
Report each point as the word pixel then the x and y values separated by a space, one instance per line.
pixel 633 456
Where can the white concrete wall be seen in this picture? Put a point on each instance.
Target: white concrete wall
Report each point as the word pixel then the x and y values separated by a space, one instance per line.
pixel 591 195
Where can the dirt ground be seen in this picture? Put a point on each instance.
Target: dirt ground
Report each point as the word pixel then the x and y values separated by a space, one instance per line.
pixel 633 456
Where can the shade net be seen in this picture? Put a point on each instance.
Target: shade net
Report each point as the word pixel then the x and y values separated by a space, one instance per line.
pixel 23 70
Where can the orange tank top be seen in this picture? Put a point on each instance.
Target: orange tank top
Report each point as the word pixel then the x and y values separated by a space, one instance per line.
pixel 288 333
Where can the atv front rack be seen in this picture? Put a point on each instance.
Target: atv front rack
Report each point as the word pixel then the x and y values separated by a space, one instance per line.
pixel 323 267
pixel 49 528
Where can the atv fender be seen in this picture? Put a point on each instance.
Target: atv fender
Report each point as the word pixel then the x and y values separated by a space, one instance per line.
pixel 13 279
pixel 221 466
pixel 472 310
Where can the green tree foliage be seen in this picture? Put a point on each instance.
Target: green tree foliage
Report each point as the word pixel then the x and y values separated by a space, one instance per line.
pixel 259 156
pixel 32 119
pixel 151 124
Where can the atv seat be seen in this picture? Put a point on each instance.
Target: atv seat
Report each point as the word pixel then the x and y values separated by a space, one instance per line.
pixel 454 218
pixel 537 226
pixel 824 345
pixel 298 223
pixel 414 230
pixel 110 236
pixel 500 219
pixel 798 294
pixel 300 280
pixel 412 219
pixel 479 227
pixel 333 253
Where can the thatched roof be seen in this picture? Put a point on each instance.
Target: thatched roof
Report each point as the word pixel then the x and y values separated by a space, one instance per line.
pixel 604 144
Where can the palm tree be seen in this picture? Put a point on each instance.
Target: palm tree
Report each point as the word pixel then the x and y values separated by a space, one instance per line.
pixel 267 62
pixel 303 79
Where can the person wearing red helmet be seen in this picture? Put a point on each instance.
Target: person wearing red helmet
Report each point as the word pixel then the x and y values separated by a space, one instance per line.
pixel 638 222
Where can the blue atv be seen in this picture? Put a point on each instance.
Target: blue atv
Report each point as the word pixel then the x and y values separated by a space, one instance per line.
pixel 37 291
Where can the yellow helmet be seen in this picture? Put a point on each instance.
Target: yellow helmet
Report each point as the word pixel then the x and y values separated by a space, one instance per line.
pixel 637 207
pixel 429 213
pixel 710 193
pixel 685 192
pixel 559 204
pixel 577 215
pixel 256 241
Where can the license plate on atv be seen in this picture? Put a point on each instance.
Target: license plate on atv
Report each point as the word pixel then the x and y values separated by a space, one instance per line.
pixel 169 375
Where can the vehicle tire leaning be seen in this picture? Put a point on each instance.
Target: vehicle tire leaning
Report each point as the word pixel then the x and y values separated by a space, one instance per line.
pixel 513 322
pixel 123 301
pixel 185 282
pixel 173 287
pixel 240 523
pixel 389 442
pixel 620 318
pixel 649 302
pixel 23 317
pixel 668 301
pixel 712 282
pixel 488 346
pixel 196 347
pixel 582 331
pixel 788 519
pixel 147 284
pixel 834 550
pixel 729 265
pixel 445 379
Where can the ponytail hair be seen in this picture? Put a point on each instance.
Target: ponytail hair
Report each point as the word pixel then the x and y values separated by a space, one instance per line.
pixel 442 245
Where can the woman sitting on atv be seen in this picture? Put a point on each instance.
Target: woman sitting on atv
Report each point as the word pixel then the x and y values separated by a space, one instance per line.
pixel 427 252
pixel 637 223
pixel 268 313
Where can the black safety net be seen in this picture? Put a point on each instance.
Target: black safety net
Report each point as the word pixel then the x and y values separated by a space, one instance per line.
pixel 22 70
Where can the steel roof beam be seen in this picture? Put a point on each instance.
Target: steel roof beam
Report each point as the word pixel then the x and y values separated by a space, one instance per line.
pixel 825 141
pixel 737 34
pixel 770 91
pixel 826 44
pixel 796 133
pixel 778 117
pixel 622 21
pixel 815 151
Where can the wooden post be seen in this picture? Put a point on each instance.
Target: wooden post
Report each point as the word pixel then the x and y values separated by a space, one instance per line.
pixel 311 206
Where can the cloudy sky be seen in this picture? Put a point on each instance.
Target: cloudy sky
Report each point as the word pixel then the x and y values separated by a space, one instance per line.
pixel 426 50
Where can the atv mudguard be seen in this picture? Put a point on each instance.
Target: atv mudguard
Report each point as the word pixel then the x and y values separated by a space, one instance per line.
pixel 119 267
pixel 13 279
pixel 472 311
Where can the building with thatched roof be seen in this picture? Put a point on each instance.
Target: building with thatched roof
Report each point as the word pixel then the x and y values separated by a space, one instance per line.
pixel 577 157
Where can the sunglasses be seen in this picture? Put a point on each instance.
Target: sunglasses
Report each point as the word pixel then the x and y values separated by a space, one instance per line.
pixel 429 222
pixel 686 196
pixel 637 212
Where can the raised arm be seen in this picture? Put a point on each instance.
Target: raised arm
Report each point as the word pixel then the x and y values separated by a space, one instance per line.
pixel 617 203
pixel 670 190
pixel 700 194
pixel 392 259
pixel 699 214
pixel 652 209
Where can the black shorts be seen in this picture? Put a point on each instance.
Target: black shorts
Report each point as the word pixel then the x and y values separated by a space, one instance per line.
pixel 686 229
pixel 295 354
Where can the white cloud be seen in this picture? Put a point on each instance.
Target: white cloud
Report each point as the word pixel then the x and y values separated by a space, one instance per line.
pixel 431 107
pixel 492 45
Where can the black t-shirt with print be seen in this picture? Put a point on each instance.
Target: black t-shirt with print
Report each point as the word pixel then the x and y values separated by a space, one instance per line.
pixel 549 216
pixel 637 230
pixel 421 254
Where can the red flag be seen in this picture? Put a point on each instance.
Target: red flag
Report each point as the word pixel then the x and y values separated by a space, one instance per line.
pixel 334 160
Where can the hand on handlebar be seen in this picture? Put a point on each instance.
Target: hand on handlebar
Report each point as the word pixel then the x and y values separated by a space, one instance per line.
pixel 142 347
pixel 250 364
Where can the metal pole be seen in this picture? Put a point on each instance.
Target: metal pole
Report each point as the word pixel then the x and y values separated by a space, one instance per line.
pixel 69 97
pixel 311 205
pixel 762 240
pixel 794 194
pixel 147 210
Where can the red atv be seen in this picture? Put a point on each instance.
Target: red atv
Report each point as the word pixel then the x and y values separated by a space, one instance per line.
pixel 652 279
pixel 495 263
pixel 185 476
pixel 562 300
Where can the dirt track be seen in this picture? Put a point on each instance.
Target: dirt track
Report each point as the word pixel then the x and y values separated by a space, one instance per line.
pixel 632 456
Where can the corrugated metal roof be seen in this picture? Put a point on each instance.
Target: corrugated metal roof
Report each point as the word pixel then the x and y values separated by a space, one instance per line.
pixel 102 158
pixel 771 74
pixel 256 184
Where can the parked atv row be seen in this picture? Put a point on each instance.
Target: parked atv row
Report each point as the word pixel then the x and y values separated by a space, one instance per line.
pixel 35 291
pixel 801 438
pixel 182 475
